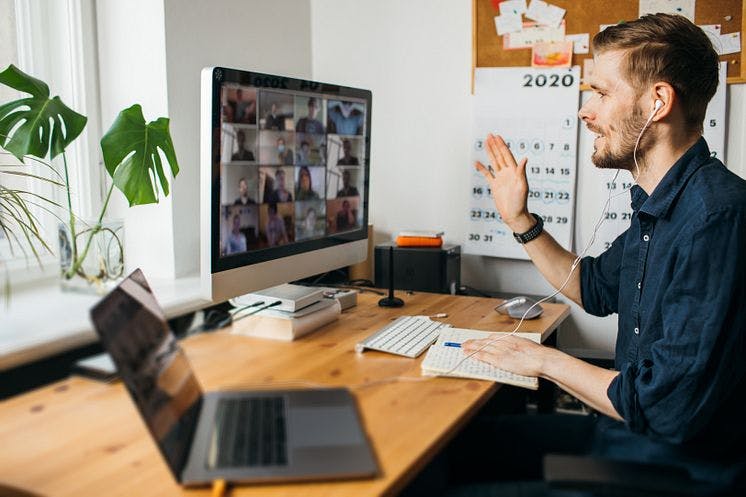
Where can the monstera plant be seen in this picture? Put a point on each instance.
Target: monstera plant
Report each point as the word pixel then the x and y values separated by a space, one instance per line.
pixel 39 128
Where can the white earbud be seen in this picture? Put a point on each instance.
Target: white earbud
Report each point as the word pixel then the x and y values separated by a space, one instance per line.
pixel 658 105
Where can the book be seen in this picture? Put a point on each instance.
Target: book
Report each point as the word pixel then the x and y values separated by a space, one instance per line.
pixel 419 239
pixel 293 297
pixel 278 325
pixel 449 360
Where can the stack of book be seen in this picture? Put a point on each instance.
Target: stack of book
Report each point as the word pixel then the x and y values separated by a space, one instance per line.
pixel 419 239
pixel 301 310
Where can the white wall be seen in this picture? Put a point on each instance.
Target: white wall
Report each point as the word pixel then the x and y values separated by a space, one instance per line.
pixel 152 52
pixel 262 35
pixel 415 56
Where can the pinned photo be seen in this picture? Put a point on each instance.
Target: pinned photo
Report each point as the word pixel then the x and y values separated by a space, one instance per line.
pixel 552 54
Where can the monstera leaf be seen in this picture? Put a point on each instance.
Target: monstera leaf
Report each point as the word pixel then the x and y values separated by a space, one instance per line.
pixel 132 158
pixel 36 125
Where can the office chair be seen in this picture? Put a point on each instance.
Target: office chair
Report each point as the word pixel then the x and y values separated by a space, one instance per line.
pixel 605 477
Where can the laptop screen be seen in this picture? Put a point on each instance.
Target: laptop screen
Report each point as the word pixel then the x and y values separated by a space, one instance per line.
pixel 155 370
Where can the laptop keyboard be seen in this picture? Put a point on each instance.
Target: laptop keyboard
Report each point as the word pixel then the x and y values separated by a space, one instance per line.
pixel 251 432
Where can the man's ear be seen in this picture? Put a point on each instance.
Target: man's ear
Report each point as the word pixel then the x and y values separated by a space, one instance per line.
pixel 665 94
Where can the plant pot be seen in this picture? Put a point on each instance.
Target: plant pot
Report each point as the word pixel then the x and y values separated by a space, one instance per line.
pixel 95 262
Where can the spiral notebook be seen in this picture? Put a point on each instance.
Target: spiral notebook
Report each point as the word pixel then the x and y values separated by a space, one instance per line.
pixel 441 359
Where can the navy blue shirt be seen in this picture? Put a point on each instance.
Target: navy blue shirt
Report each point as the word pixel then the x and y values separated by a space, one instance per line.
pixel 677 280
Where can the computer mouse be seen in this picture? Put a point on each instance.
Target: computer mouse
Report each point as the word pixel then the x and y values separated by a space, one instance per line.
pixel 517 307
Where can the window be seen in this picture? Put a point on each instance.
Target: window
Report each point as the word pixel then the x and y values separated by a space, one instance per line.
pixel 55 42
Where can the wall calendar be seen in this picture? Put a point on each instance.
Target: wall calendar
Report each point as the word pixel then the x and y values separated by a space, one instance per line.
pixel 535 111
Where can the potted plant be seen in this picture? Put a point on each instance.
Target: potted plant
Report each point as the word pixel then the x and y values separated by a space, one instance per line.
pixel 36 127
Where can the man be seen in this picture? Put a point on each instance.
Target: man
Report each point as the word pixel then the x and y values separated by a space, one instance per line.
pixel 346 217
pixel 274 120
pixel 243 193
pixel 276 232
pixel 243 153
pixel 676 278
pixel 284 154
pixel 344 118
pixel 280 193
pixel 347 158
pixel 236 239
pixel 310 124
pixel 347 189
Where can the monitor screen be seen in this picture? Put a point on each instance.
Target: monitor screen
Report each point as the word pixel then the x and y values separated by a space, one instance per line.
pixel 289 168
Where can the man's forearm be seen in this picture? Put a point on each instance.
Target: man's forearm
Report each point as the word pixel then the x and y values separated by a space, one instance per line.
pixel 586 382
pixel 551 259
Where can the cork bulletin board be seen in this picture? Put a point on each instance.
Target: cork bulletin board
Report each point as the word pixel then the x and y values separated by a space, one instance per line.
pixel 587 16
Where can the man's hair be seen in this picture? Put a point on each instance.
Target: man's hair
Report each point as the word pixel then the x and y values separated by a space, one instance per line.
pixel 670 48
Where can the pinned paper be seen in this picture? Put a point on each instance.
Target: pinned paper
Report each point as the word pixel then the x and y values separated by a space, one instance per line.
pixel 681 7
pixel 588 65
pixel 533 33
pixel 545 13
pixel 513 7
pixel 730 43
pixel 713 33
pixel 496 4
pixel 552 54
pixel 580 42
pixel 506 23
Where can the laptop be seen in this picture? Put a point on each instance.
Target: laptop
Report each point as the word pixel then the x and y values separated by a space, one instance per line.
pixel 239 436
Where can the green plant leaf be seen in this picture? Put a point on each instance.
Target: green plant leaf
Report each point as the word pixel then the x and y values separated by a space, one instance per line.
pixel 36 125
pixel 132 155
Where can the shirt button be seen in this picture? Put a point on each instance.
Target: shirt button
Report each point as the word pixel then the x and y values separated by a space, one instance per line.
pixel 639 285
pixel 646 237
pixel 637 331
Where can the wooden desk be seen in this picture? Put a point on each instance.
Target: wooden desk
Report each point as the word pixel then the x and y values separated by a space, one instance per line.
pixel 80 437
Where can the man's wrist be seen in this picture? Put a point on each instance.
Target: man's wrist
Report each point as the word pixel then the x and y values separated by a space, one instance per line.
pixel 551 361
pixel 522 223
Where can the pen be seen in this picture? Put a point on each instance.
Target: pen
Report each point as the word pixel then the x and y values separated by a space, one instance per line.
pixel 218 488
pixel 452 344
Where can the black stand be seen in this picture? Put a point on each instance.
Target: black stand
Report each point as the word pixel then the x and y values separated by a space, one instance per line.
pixel 391 301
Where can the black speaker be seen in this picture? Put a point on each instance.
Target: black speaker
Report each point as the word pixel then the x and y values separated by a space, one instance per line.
pixel 423 269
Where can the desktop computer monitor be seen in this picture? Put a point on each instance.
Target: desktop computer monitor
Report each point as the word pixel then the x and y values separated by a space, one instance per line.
pixel 285 166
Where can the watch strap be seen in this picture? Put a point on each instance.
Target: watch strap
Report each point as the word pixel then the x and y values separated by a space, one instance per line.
pixel 531 234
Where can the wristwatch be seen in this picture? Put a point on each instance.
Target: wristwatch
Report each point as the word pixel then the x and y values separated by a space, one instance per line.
pixel 532 233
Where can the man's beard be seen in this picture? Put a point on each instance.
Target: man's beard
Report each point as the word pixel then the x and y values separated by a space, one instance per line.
pixel 627 132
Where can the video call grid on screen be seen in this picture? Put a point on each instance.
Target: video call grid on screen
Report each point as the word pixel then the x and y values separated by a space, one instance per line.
pixel 292 166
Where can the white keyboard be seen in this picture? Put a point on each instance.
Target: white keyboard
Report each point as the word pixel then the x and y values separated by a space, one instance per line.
pixel 407 335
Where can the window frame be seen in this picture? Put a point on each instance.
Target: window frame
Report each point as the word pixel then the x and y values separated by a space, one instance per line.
pixel 57 43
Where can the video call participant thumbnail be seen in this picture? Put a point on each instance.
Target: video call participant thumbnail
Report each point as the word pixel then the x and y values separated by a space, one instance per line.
pixel 276 188
pixel 277 223
pixel 240 106
pixel 345 118
pixel 277 111
pixel 347 158
pixel 310 219
pixel 238 229
pixel 348 189
pixel 306 188
pixel 310 149
pixel 243 193
pixel 342 214
pixel 243 153
pixel 310 124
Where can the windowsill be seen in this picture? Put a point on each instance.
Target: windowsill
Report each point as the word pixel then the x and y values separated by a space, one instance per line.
pixel 43 320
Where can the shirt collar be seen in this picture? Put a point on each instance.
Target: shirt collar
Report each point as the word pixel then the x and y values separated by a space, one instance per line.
pixel 659 202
